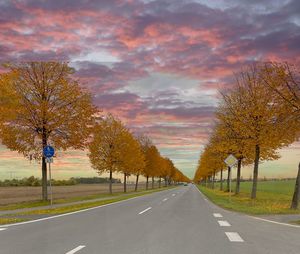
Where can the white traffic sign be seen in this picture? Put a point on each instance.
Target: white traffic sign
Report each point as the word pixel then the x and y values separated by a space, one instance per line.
pixel 49 159
pixel 231 160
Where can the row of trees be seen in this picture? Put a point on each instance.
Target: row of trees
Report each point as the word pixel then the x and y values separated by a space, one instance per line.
pixel 41 104
pixel 115 149
pixel 258 116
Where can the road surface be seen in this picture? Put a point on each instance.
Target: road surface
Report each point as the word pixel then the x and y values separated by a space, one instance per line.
pixel 174 221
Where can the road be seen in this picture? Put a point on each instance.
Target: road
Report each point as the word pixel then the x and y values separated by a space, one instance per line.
pixel 174 221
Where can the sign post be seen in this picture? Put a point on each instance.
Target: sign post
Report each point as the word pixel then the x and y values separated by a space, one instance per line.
pixel 230 162
pixel 48 153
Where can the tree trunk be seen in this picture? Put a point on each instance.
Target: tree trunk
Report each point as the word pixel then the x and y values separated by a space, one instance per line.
pixel 255 171
pixel 296 196
pixel 44 171
pixel 125 182
pixel 205 181
pixel 213 180
pixel 238 177
pixel 110 181
pixel 152 182
pixel 147 183
pixel 136 182
pixel 228 179
pixel 159 183
pixel 221 180
pixel 165 181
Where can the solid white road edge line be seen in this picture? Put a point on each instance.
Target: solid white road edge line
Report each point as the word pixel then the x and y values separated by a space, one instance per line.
pixel 218 215
pixel 2 229
pixel 275 222
pixel 80 211
pixel 234 237
pixel 76 249
pixel 147 209
pixel 224 223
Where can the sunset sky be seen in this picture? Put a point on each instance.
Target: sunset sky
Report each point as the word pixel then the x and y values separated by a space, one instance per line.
pixel 157 65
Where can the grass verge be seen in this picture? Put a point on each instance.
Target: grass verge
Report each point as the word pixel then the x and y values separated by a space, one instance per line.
pixel 77 207
pixel 272 198
pixel 38 203
pixel 4 221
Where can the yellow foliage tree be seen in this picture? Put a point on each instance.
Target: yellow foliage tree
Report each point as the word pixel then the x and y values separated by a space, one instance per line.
pixel 47 107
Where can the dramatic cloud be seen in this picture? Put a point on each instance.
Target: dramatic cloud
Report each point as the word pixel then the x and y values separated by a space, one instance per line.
pixel 157 64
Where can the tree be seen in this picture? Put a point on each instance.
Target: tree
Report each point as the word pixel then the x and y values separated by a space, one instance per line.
pixel 283 81
pixel 257 117
pixel 107 146
pixel 49 107
pixel 131 159
pixel 145 144
pixel 152 164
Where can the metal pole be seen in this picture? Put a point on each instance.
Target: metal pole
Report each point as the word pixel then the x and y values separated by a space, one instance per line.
pixel 50 184
pixel 230 184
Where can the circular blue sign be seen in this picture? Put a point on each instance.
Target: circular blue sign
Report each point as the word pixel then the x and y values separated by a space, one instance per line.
pixel 48 151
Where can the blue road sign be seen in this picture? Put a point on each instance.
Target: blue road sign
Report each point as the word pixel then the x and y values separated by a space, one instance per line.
pixel 48 151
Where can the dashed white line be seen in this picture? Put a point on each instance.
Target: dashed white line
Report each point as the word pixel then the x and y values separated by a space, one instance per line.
pixel 234 237
pixel 173 195
pixel 165 199
pixel 218 215
pixel 147 209
pixel 2 229
pixel 224 223
pixel 76 249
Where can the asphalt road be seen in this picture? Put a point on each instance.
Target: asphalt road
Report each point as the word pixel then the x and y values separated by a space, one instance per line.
pixel 174 221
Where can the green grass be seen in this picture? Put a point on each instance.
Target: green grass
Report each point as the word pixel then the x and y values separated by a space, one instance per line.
pixel 77 207
pixel 273 197
pixel 296 222
pixel 4 221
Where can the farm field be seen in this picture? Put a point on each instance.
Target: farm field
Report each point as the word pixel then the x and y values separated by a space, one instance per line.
pixel 12 195
pixel 273 197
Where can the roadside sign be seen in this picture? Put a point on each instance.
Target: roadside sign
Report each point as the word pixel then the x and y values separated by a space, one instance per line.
pixel 49 159
pixel 48 151
pixel 230 160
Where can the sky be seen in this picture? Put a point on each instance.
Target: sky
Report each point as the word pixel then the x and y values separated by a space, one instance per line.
pixel 156 64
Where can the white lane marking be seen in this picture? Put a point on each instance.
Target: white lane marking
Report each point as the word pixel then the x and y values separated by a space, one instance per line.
pixel 173 195
pixel 80 211
pixel 147 209
pixel 165 199
pixel 275 222
pixel 224 223
pixel 234 237
pixel 76 249
pixel 206 199
pixel 2 229
pixel 218 215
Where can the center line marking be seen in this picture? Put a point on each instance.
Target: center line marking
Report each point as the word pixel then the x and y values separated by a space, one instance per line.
pixel 218 215
pixel 165 199
pixel 149 208
pixel 234 237
pixel 224 223
pixel 76 249
pixel 1 229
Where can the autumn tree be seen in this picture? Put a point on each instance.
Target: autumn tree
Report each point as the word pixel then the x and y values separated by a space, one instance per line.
pixel 145 143
pixel 107 146
pixel 283 82
pixel 152 163
pixel 257 117
pixel 48 107
pixel 131 157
